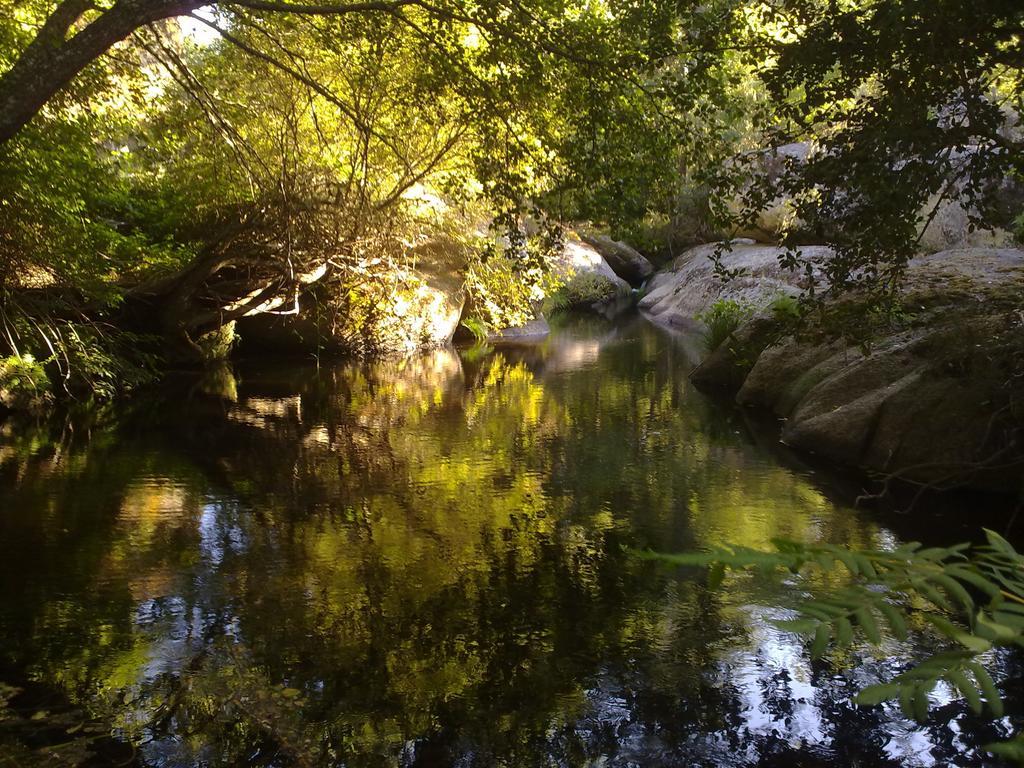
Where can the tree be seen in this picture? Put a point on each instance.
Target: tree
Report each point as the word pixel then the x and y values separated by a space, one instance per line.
pixel 906 105
pixel 249 206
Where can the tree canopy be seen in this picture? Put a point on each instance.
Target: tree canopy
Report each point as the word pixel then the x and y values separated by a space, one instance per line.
pixel 156 187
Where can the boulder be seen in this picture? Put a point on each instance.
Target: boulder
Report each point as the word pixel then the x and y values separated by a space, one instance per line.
pixel 945 223
pixel 529 333
pixel 727 366
pixel 414 305
pixel 949 226
pixel 778 214
pixel 624 260
pixel 590 283
pixel 937 397
pixel 675 297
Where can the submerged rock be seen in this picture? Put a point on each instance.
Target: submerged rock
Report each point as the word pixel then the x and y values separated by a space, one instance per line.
pixel 528 333
pixel 937 398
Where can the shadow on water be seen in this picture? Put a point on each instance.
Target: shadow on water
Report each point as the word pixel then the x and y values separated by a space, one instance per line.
pixel 426 562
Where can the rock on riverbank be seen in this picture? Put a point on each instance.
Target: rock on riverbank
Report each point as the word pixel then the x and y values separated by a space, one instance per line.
pixel 936 397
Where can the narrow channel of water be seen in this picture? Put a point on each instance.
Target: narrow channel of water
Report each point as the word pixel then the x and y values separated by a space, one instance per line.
pixel 426 562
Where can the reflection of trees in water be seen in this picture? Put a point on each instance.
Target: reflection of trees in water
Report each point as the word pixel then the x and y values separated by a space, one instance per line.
pixel 420 560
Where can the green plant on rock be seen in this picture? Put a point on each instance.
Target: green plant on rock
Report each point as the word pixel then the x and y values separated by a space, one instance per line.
pixel 722 319
pixel 973 596
pixel 23 381
pixel 476 327
pixel 786 310
pixel 582 291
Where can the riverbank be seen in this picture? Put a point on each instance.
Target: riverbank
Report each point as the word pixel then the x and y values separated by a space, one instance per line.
pixel 931 394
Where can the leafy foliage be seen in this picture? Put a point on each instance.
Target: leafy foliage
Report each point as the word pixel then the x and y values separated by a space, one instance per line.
pixel 722 318
pixel 894 128
pixel 971 595
pixel 22 381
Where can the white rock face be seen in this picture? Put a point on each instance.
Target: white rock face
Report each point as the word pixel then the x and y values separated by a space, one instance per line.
pixel 943 224
pixel 677 296
pixel 579 258
pixel 950 228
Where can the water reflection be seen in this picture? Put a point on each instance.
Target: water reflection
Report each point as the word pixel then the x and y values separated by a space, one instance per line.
pixel 426 562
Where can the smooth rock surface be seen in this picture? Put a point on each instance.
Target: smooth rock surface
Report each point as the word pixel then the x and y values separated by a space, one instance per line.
pixel 937 398
pixel 628 263
pixel 579 264
pixel 676 296
pixel 528 333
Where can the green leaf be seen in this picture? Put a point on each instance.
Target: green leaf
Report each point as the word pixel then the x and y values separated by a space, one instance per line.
pixel 844 632
pixel 1012 750
pixel 865 566
pixel 876 694
pixel 868 624
pixel 956 591
pixel 821 637
pixel 829 609
pixel 921 702
pixel 972 642
pixel 999 544
pixel 894 616
pixel 1008 619
pixel 848 560
pixel 716 575
pixel 826 561
pixel 995 631
pixel 976 580
pixel 970 692
pixel 799 626
pixel 816 612
pixel 988 688
pixel 944 625
pixel 930 592
pixel 906 698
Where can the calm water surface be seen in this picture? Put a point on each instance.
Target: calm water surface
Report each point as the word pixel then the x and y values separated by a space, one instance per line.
pixel 427 562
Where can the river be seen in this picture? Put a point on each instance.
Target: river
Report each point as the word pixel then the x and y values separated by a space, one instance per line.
pixel 430 562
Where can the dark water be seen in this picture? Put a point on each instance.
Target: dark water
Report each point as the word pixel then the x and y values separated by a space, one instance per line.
pixel 428 562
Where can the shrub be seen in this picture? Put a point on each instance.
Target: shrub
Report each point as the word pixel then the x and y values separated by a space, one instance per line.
pixel 786 309
pixel 582 291
pixel 23 382
pixel 476 327
pixel 722 318
pixel 970 595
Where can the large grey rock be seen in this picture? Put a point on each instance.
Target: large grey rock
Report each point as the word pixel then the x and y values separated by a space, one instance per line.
pixel 628 263
pixel 529 333
pixel 936 400
pixel 945 220
pixel 678 295
pixel 778 215
pixel 589 280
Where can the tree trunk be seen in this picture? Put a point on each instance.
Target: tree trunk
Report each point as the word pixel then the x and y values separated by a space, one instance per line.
pixel 52 60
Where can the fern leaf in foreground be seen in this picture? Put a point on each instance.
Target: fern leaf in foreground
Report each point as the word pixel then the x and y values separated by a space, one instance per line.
pixel 971 595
